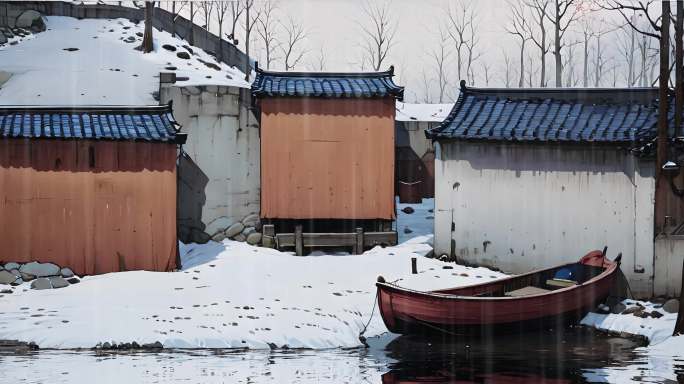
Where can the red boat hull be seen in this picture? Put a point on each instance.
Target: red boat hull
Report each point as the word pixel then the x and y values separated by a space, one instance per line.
pixel 406 311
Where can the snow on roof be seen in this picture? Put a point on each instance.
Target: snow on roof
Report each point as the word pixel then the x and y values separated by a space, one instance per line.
pixel 89 62
pixel 422 112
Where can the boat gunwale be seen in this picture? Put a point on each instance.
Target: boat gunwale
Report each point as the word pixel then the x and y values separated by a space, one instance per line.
pixel 611 267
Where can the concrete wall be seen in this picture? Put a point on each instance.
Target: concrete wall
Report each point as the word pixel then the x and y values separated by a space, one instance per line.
pixel 669 255
pixel 219 178
pixel 521 207
pixel 163 20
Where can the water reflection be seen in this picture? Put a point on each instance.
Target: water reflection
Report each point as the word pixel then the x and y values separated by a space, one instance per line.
pixel 540 357
pixel 570 356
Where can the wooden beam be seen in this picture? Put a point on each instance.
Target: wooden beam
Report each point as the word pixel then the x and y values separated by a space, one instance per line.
pixel 358 246
pixel 268 236
pixel 299 242
pixel 370 239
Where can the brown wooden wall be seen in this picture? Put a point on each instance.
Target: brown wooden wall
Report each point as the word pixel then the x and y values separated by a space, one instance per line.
pixel 94 206
pixel 327 158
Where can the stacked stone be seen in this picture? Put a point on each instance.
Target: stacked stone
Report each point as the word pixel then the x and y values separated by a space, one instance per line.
pixel 19 25
pixel 245 230
pixel 41 275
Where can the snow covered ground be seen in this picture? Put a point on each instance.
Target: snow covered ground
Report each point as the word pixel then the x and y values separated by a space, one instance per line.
pixel 229 295
pixel 658 362
pixel 656 330
pixel 89 62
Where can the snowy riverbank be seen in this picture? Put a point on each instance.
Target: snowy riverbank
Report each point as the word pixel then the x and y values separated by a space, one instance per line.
pixel 229 295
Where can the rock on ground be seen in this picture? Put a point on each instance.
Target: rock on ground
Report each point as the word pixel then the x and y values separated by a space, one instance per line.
pixel 254 238
pixel 234 229
pixel 41 283
pixel 26 19
pixel 671 306
pixel 58 282
pixel 7 277
pixel 66 272
pixel 40 269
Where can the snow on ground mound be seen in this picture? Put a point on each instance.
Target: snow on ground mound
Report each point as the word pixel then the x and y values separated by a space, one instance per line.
pixel 654 329
pixel 229 295
pixel 94 61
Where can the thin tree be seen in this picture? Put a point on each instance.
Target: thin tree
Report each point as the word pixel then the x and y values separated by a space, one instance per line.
pixel 426 87
pixel 175 14
pixel 295 34
pixel 207 8
pixel 598 61
pixel 460 20
pixel 250 22
pixel 319 64
pixel 519 27
pixel 236 9
pixel 440 55
pixel 378 33
pixel 193 12
pixel 266 29
pixel 222 8
pixel 563 14
pixel 539 37
pixel 627 44
pixel 508 68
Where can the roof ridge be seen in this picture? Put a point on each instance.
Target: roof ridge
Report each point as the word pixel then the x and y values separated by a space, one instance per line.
pixel 379 74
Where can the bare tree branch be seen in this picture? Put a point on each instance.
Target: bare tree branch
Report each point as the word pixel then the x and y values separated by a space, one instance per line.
pixel 378 33
pixel 290 46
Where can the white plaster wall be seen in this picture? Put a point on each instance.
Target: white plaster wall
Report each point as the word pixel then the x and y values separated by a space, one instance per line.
pixel 669 255
pixel 522 207
pixel 223 140
pixel 416 135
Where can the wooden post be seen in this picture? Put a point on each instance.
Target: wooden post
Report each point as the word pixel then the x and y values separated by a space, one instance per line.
pixel 299 241
pixel 679 325
pixel 414 265
pixel 358 249
pixel 661 187
pixel 268 236
pixel 679 68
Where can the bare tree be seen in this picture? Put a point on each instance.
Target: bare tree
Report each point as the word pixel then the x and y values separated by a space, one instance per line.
pixel 508 68
pixel 222 8
pixel 426 87
pixel 598 61
pixel 176 9
pixel 539 37
pixel 568 65
pixel 460 27
pixel 236 9
pixel 193 12
pixel 520 27
pixel 250 22
pixel 378 33
pixel 291 44
pixel 148 41
pixel 319 64
pixel 627 46
pixel 266 28
pixel 486 72
pixel 564 13
pixel 207 8
pixel 440 56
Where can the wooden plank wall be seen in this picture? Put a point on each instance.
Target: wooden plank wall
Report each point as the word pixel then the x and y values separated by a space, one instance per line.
pixel 94 206
pixel 327 158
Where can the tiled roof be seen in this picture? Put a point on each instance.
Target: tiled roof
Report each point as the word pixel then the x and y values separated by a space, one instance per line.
pixel 558 115
pixel 327 84
pixel 149 123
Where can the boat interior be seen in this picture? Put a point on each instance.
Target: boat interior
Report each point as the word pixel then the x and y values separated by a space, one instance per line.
pixel 531 284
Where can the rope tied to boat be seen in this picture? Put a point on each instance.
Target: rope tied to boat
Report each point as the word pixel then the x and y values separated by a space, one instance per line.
pixel 362 338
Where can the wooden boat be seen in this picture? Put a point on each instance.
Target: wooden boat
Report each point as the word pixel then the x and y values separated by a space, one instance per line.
pixel 562 293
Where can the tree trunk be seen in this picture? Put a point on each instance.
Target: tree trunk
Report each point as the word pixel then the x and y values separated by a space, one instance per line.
pixel 148 41
pixel 192 24
pixel 248 68
pixel 585 70
pixel 557 48
pixel 521 82
pixel 173 18
pixel 597 70
pixel 662 141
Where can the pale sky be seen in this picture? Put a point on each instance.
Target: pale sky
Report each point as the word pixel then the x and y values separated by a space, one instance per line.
pixel 333 27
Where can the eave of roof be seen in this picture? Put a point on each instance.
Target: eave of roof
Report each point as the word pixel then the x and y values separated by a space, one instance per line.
pixel 154 123
pixel 609 116
pixel 326 84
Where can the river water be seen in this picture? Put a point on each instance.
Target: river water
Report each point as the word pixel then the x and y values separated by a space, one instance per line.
pixel 574 355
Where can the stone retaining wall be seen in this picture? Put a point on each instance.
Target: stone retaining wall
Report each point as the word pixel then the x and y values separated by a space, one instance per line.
pixel 163 20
